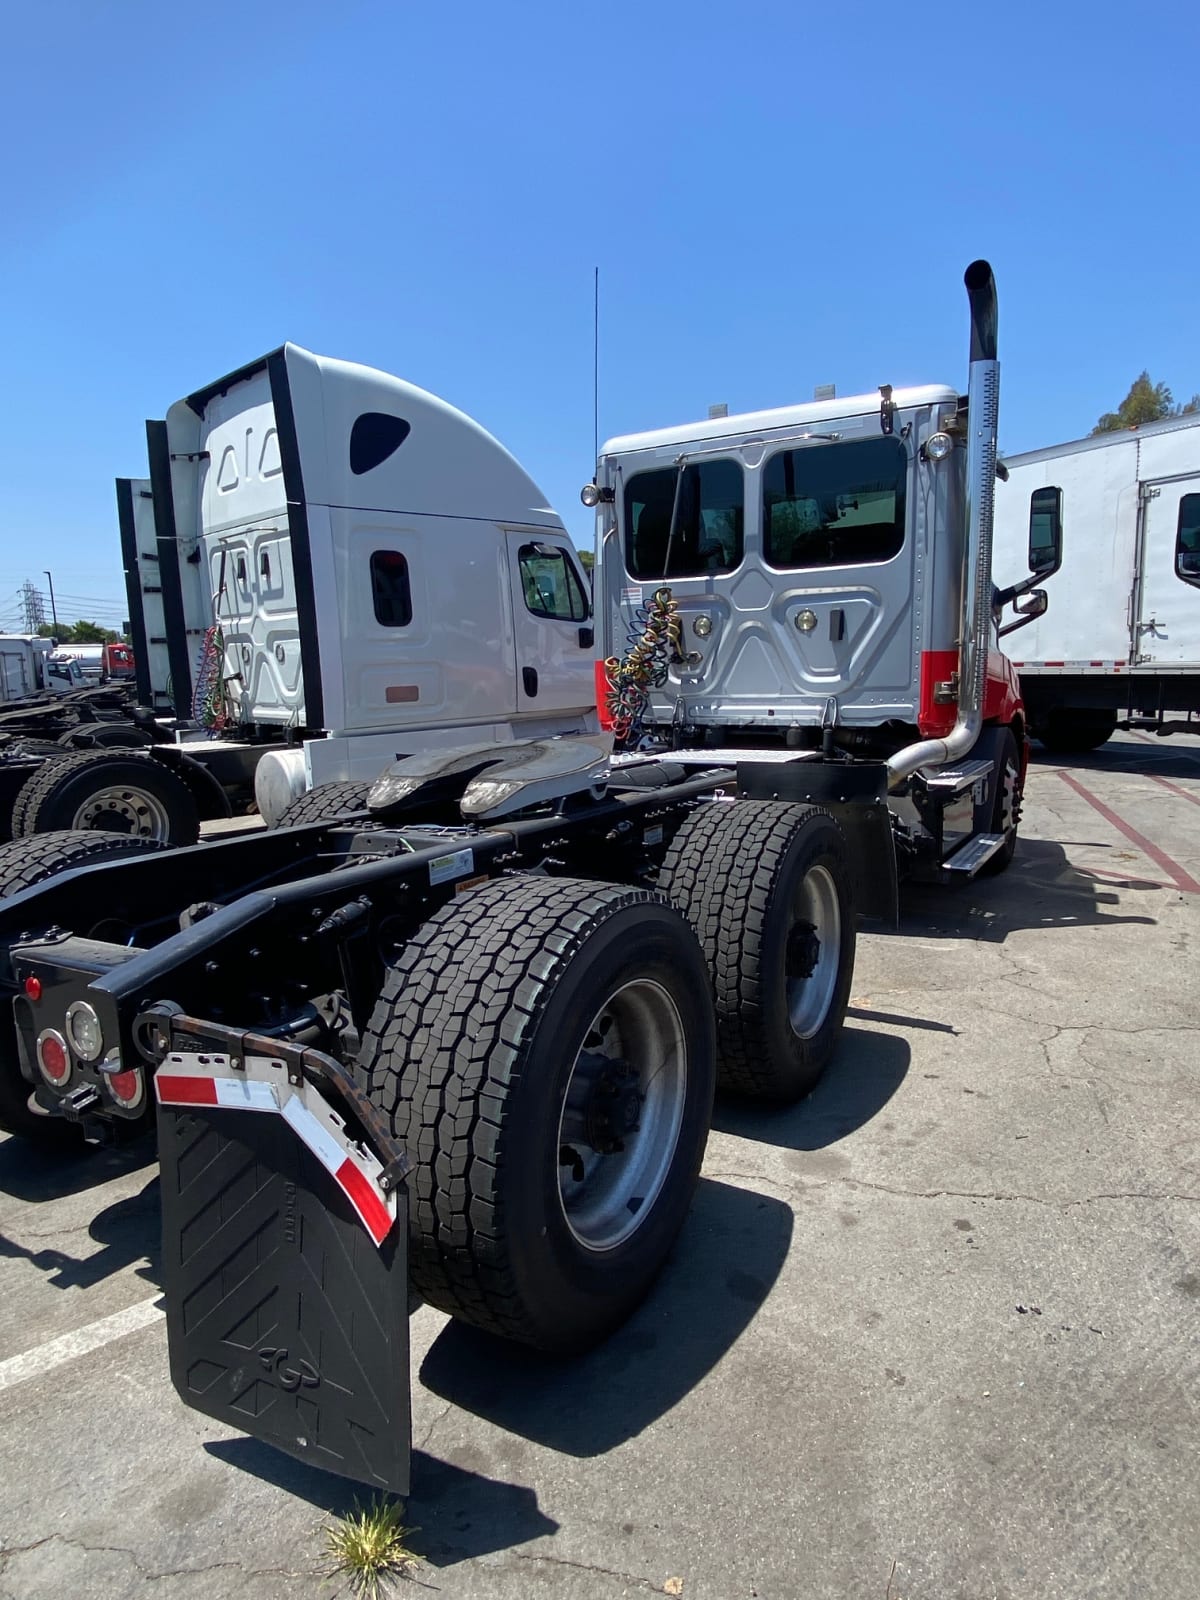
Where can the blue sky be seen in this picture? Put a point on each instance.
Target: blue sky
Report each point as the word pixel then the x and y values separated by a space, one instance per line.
pixel 776 195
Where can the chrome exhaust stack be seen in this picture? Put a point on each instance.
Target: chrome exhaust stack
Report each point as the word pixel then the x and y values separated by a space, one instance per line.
pixel 983 417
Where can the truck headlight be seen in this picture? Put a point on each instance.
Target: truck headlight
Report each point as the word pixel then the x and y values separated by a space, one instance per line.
pixel 84 1031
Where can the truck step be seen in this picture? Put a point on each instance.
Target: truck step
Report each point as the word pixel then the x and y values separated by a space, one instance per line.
pixel 953 780
pixel 968 858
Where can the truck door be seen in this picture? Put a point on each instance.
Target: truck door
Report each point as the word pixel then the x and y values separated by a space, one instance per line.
pixel 419 623
pixel 1168 610
pixel 553 616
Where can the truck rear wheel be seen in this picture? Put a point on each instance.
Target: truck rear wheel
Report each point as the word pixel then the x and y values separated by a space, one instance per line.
pixel 23 863
pixel 544 1051
pixel 767 887
pixel 1074 733
pixel 108 791
pixel 1005 810
pixel 326 803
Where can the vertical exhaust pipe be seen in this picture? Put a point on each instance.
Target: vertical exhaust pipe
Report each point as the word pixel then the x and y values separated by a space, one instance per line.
pixel 983 418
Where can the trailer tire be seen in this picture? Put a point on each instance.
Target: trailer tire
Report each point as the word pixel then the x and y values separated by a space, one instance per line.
pixel 106 791
pixel 23 863
pixel 768 888
pixel 1074 733
pixel 17 820
pixel 522 1026
pixel 326 803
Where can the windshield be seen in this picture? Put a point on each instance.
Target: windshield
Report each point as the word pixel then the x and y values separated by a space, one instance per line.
pixel 709 523
pixel 835 505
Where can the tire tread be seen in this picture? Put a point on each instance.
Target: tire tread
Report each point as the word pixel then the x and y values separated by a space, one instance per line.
pixel 454 1012
pixel 720 870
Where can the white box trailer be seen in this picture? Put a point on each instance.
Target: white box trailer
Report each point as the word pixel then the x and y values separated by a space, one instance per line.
pixel 29 668
pixel 1121 642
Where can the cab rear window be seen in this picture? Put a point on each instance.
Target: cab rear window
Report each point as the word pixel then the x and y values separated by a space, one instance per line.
pixel 835 505
pixel 701 529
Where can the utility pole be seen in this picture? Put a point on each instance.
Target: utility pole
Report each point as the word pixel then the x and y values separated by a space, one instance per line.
pixel 53 607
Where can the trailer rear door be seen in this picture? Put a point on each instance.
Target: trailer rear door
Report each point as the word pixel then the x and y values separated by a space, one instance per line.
pixel 1168 594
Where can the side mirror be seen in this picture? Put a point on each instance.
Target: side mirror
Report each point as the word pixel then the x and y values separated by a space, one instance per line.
pixel 1045 532
pixel 1028 608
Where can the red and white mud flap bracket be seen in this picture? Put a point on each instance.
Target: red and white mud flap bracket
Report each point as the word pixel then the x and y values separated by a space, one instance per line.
pixel 284 1252
pixel 260 1084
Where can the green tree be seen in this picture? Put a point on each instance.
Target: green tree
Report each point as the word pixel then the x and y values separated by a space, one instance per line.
pixel 91 633
pixel 587 561
pixel 1145 402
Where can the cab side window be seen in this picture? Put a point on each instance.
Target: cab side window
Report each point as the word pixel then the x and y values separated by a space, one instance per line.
pixel 391 592
pixel 550 585
pixel 1187 540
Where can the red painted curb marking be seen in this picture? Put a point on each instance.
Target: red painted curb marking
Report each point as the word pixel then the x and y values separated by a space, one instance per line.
pixel 1180 876
pixel 1175 789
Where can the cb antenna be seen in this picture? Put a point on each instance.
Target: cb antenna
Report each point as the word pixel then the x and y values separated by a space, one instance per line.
pixel 596 367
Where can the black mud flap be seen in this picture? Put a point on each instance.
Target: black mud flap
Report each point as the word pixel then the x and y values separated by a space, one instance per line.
pixel 285 1279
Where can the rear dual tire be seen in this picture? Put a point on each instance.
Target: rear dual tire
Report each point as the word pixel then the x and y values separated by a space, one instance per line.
pixel 543 1050
pixel 768 888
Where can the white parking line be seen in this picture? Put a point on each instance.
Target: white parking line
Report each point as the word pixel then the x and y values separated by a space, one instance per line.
pixel 55 1352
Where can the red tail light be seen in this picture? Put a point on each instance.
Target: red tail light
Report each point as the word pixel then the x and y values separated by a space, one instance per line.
pixel 53 1058
pixel 126 1087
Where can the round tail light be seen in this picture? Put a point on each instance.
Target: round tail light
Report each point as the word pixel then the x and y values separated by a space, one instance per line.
pixel 52 1057
pixel 127 1088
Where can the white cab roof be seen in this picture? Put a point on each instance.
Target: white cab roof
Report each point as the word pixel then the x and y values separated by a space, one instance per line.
pixel 791 418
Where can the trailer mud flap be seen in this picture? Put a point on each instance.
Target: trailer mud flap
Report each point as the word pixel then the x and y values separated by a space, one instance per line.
pixel 284 1265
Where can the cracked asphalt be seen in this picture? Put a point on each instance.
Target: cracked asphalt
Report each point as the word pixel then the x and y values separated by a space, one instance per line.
pixel 932 1335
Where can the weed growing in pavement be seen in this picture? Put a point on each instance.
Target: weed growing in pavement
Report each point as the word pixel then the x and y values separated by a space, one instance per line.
pixel 368 1545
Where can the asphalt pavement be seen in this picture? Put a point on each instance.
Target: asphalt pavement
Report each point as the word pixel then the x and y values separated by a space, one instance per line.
pixel 934 1334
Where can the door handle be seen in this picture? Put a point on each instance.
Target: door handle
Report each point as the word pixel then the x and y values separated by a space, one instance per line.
pixel 587 638
pixel 530 679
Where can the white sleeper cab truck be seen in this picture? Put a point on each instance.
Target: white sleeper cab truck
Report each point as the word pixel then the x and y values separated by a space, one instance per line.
pixel 818 579
pixel 327 568
pixel 466 1033
pixel 1122 645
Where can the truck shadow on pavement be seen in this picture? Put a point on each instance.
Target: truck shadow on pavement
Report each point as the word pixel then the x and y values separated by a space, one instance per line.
pixel 127 1231
pixel 730 1253
pixel 1137 760
pixel 27 1173
pixel 860 1080
pixel 1042 889
pixel 460 1514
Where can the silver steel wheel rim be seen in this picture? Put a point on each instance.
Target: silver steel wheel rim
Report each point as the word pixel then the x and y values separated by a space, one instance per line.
pixel 637 1033
pixel 814 952
pixel 122 809
pixel 1008 802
